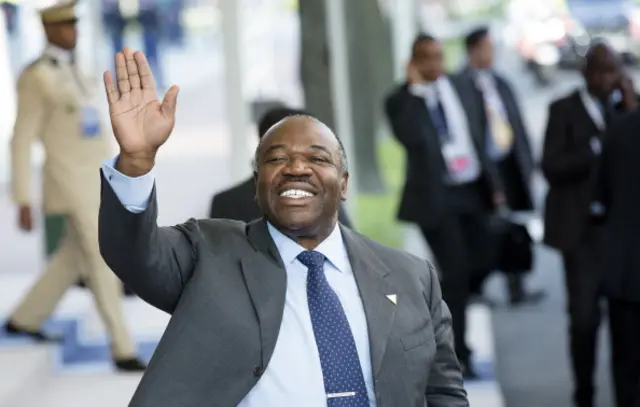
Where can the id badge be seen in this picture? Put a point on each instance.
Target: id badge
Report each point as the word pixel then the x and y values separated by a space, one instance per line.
pixel 90 121
pixel 458 162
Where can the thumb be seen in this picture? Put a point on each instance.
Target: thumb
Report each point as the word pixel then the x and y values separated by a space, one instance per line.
pixel 170 101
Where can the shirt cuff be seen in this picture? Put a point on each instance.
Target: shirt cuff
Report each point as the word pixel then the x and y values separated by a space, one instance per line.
pixel 133 193
pixel 596 209
pixel 596 145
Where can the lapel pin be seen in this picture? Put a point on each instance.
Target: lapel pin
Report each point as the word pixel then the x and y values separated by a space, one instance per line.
pixel 393 298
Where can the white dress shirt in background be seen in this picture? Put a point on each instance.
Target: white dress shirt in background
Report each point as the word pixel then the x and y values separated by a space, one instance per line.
pixel 460 145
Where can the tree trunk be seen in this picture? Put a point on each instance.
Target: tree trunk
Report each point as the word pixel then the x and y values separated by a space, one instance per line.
pixel 314 61
pixel 371 75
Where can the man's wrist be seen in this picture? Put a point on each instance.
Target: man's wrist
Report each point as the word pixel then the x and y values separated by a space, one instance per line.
pixel 135 165
pixel 630 103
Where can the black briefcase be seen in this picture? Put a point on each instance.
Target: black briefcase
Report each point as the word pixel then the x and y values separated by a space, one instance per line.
pixel 516 248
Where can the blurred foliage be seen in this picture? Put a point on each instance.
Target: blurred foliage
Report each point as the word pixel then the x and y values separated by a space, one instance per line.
pixel 290 5
pixel 376 214
pixel 490 11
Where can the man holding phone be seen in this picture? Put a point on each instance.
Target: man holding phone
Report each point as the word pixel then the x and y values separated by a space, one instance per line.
pixel 576 129
pixel 452 186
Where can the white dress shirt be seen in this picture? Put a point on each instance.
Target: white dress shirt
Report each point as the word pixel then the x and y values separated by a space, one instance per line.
pixel 294 374
pixel 485 81
pixel 460 145
pixel 595 110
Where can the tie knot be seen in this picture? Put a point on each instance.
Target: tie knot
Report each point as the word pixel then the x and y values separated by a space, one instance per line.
pixel 311 259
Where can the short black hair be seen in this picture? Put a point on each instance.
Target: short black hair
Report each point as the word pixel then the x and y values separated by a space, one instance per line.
pixel 420 38
pixel 597 47
pixel 273 116
pixel 276 115
pixel 475 37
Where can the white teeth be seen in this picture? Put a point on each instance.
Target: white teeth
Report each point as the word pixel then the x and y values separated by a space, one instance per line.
pixel 296 194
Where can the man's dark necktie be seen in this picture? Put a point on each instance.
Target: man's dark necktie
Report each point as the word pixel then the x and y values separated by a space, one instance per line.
pixel 608 116
pixel 439 119
pixel 341 370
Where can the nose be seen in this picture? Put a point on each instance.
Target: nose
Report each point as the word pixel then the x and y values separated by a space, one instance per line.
pixel 297 166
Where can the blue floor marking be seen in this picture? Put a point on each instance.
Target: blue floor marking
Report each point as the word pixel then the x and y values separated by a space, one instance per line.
pixel 74 352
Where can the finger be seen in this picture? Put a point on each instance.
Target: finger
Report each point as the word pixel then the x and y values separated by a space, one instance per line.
pixel 170 102
pixel 122 76
pixel 144 70
pixel 132 68
pixel 110 87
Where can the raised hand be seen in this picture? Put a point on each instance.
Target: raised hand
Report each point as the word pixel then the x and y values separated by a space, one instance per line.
pixel 413 74
pixel 140 122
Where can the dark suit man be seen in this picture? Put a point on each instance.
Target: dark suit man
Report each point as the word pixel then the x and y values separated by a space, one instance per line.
pixel 572 146
pixel 617 200
pixel 507 142
pixel 239 202
pixel 451 185
pixel 289 310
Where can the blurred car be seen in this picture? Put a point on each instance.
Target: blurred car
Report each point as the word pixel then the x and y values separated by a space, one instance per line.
pixel 555 37
pixel 571 30
pixel 539 35
pixel 614 21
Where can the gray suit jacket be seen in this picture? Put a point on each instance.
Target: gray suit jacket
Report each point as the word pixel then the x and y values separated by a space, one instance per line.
pixel 224 284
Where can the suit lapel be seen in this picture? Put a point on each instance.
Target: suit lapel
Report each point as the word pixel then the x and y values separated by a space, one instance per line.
pixel 470 98
pixel 583 110
pixel 266 281
pixel 373 279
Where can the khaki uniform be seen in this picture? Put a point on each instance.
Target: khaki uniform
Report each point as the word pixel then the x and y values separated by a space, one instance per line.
pixel 52 98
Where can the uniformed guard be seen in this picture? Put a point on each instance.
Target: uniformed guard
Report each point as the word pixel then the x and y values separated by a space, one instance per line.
pixel 60 108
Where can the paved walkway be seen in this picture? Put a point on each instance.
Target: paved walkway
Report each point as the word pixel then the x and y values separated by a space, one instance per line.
pixel 531 342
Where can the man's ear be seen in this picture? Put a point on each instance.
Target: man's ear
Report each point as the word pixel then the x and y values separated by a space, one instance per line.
pixel 255 183
pixel 344 186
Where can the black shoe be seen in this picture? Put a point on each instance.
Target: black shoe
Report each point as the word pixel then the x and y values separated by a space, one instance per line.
pixel 482 300
pixel 584 396
pixel 130 365
pixel 527 298
pixel 128 292
pixel 467 372
pixel 38 336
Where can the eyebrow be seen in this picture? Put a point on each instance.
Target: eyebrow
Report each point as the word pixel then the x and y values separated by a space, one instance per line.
pixel 274 147
pixel 320 148
pixel 312 147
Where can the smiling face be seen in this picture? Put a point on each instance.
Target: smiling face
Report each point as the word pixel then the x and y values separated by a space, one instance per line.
pixel 300 179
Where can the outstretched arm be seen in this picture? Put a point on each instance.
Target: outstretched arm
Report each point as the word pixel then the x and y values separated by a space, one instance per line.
pixel 156 262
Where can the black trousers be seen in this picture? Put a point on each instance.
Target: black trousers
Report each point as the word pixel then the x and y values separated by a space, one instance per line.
pixel 624 319
pixel 583 280
pixel 456 244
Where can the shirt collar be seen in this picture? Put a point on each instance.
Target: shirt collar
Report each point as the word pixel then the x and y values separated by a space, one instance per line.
pixel 432 91
pixel 614 98
pixel 483 78
pixel 61 55
pixel 332 248
pixel 428 86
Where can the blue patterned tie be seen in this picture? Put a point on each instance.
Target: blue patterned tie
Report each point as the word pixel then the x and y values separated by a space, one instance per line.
pixel 439 119
pixel 343 379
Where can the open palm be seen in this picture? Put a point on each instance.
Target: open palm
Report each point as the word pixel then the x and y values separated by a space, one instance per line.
pixel 140 122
